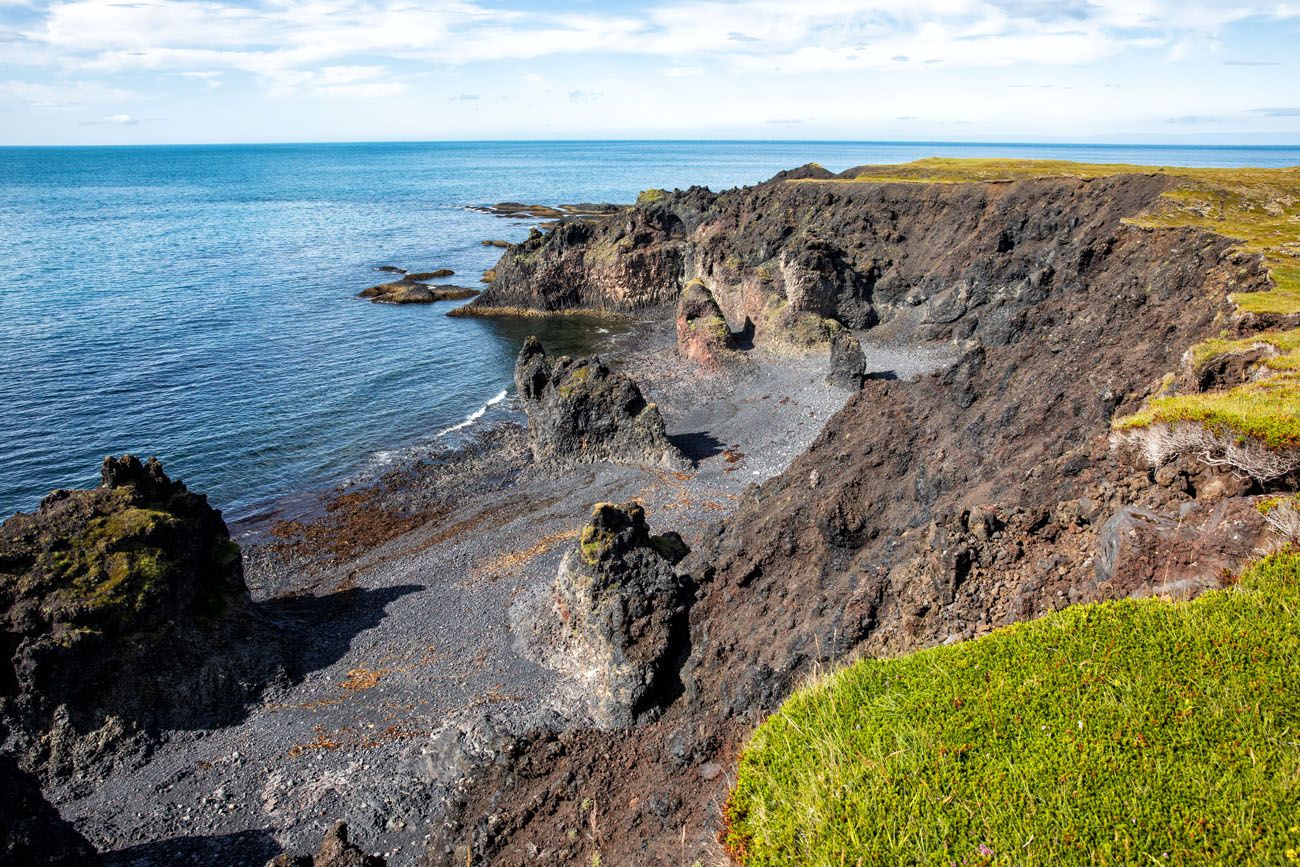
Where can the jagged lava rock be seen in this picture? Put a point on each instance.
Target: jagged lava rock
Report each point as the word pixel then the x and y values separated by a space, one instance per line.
pixel 703 335
pixel 335 851
pixel 848 366
pixel 31 831
pixel 620 613
pixel 123 610
pixel 580 411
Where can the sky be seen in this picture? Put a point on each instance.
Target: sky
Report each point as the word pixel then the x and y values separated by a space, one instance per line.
pixel 191 71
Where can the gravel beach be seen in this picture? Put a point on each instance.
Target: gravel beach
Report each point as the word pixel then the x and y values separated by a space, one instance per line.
pixel 408 643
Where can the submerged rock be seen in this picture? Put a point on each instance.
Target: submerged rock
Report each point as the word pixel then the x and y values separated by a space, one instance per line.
pixel 580 411
pixel 702 332
pixel 123 610
pixel 620 614
pixel 335 851
pixel 848 366
pixel 407 291
pixel 31 831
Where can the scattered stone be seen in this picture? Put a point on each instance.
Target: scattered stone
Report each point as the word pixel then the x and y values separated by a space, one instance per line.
pixel 702 332
pixel 580 411
pixel 848 366
pixel 620 614
pixel 335 851
pixel 123 610
pixel 31 831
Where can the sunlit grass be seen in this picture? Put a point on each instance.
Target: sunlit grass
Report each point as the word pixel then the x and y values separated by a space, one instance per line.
pixel 1129 732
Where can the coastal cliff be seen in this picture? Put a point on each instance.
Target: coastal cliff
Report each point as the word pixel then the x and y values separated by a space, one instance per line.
pixel 926 512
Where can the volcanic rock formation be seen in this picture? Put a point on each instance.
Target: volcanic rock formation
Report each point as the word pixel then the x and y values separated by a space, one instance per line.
pixel 123 611
pixel 848 366
pixel 580 411
pixel 926 511
pixel 619 616
pixel 703 335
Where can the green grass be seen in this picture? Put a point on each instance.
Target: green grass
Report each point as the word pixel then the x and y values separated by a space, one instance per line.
pixel 1267 411
pixel 1285 343
pixel 1130 732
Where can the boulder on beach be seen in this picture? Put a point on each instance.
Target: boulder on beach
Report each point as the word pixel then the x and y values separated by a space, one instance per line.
pixel 407 291
pixel 335 851
pixel 619 619
pixel 703 335
pixel 580 411
pixel 123 611
pixel 848 367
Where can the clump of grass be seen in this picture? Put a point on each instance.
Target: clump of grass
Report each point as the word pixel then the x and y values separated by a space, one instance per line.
pixel 650 196
pixel 1285 345
pixel 1267 411
pixel 1137 731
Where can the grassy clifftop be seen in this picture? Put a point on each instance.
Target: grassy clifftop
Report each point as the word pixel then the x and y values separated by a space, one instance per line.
pixel 1258 207
pixel 1138 731
pixel 1254 425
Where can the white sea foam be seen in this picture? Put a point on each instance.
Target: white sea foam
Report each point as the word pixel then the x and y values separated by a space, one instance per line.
pixel 475 415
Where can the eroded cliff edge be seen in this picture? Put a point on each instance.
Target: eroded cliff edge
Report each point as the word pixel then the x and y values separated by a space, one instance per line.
pixel 926 511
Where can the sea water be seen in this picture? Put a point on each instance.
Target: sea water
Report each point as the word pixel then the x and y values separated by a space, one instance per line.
pixel 197 303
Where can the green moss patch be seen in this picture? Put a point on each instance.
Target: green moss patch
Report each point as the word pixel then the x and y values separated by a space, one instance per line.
pixel 1129 732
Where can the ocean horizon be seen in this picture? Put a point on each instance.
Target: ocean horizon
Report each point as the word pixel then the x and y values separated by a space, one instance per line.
pixel 197 302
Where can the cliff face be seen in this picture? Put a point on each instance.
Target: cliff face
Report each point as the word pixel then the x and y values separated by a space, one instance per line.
pixel 926 511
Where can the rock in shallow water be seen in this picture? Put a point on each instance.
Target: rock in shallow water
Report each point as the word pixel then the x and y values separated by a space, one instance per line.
pixel 580 411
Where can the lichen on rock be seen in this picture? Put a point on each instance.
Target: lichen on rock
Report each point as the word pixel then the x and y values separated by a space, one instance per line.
pixel 580 411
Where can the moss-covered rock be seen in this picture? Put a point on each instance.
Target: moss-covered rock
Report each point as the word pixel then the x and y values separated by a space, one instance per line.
pixel 118 605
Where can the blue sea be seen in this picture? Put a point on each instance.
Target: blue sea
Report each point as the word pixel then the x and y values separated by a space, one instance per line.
pixel 197 303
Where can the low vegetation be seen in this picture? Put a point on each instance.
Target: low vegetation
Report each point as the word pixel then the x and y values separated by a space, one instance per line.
pixel 1129 732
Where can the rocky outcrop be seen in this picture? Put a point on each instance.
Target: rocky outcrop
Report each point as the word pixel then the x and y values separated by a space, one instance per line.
pixel 580 411
pixel 124 611
pixel 629 261
pixel 703 335
pixel 335 851
pixel 619 617
pixel 927 511
pixel 848 366
pixel 31 831
pixel 409 291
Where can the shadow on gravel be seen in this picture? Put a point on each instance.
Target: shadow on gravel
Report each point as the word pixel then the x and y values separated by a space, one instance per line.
pixel 697 446
pixel 883 374
pixel 321 628
pixel 244 849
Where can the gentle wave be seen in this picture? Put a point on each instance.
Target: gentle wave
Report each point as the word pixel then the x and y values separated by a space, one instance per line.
pixel 475 415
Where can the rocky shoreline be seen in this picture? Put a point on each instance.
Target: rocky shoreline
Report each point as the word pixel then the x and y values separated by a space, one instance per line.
pixel 852 419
